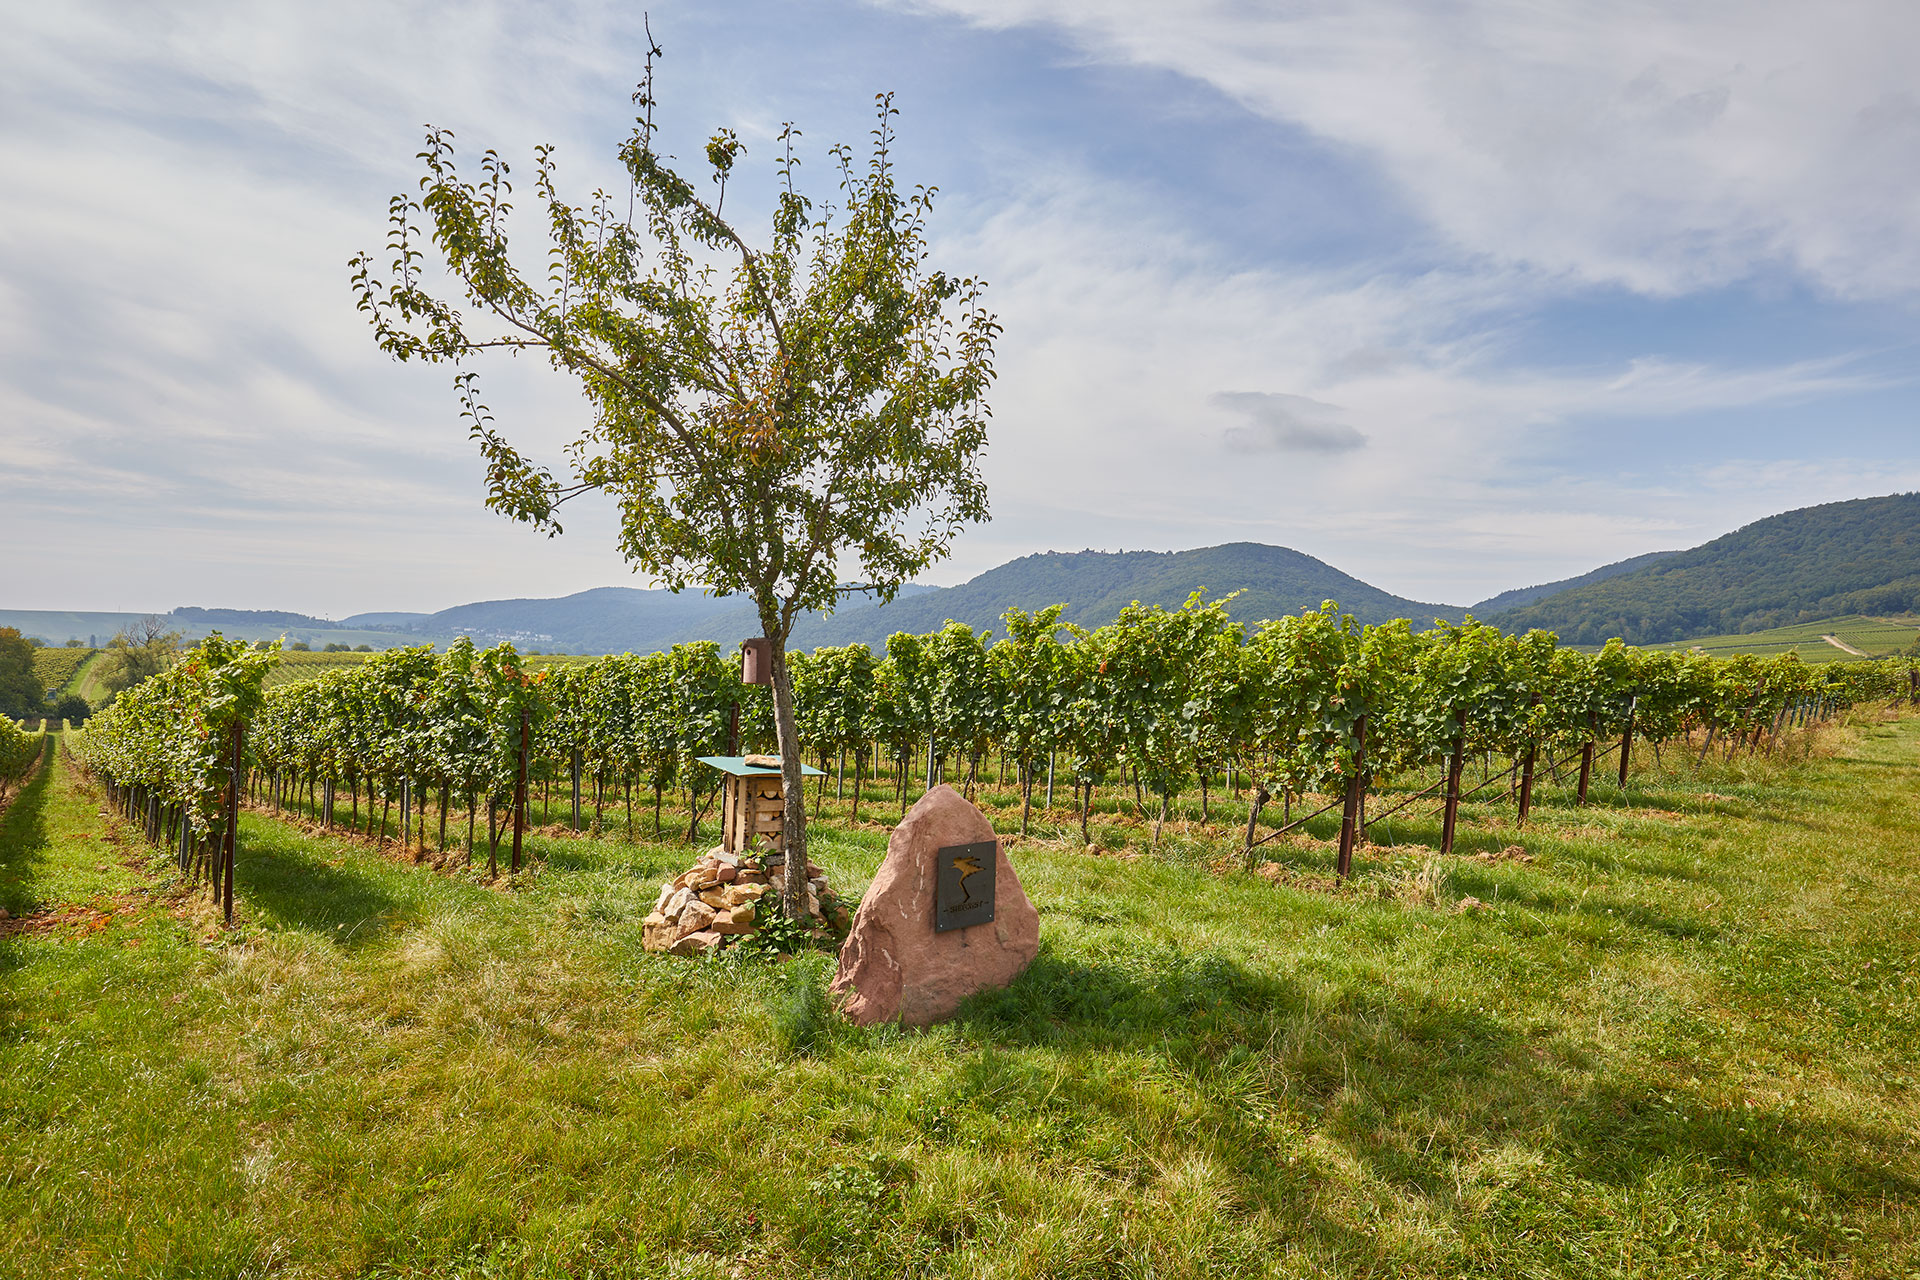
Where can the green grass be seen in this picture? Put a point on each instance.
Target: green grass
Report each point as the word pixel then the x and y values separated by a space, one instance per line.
pixel 1876 637
pixel 1680 1042
pixel 86 681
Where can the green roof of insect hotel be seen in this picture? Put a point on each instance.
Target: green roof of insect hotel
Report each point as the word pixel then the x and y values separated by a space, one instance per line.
pixel 739 768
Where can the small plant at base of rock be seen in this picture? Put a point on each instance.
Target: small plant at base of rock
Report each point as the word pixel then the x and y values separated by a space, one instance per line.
pixel 777 933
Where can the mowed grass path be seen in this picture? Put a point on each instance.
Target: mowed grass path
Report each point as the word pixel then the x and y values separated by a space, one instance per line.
pixel 1680 1042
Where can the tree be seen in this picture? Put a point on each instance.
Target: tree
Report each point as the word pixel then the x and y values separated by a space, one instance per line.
pixel 139 652
pixel 20 691
pixel 765 416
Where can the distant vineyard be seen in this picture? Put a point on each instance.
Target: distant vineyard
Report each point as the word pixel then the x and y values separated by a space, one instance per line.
pixel 1872 637
pixel 56 668
pixel 298 667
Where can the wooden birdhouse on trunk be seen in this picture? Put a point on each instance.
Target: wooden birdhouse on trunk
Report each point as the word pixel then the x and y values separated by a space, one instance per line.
pixel 753 799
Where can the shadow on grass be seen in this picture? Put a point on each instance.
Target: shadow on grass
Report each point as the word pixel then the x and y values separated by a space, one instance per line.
pixel 23 839
pixel 1384 1073
pixel 1480 881
pixel 288 886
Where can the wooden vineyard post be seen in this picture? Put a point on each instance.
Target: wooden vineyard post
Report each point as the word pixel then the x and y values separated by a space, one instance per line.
pixel 520 795
pixel 1259 800
pixel 1526 783
pixel 1050 757
pixel 576 789
pixel 1626 739
pixel 1456 761
pixel 1586 754
pixel 1526 775
pixel 1356 792
pixel 233 825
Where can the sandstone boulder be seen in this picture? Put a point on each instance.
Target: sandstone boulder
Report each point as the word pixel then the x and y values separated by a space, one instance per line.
pixel 894 967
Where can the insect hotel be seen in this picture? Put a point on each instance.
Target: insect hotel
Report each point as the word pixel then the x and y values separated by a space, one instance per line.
pixel 752 802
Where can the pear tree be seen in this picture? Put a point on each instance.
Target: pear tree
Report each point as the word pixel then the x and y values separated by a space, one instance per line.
pixel 772 415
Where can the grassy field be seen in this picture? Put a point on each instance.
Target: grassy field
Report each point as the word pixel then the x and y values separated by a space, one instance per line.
pixel 1676 1040
pixel 1875 637
pixel 86 681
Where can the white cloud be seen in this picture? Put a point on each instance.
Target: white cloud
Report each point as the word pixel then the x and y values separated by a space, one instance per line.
pixel 1112 430
pixel 1657 146
pixel 190 410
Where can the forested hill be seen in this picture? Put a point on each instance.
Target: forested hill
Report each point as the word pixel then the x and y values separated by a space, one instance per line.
pixel 1861 556
pixel 1096 585
pixel 1527 595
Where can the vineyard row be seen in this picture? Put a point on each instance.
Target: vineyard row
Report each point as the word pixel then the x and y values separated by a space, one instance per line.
pixel 1311 703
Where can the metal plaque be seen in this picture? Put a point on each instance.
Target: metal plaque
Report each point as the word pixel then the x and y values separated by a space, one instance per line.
pixel 963 890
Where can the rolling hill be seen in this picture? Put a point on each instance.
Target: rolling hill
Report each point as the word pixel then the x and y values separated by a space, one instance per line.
pixel 1843 558
pixel 1527 595
pixel 601 620
pixel 1857 557
pixel 1096 585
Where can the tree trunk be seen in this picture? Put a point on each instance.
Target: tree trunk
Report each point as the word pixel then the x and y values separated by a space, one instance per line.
pixel 793 884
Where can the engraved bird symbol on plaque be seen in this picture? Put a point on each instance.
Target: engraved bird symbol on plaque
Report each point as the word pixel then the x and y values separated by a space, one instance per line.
pixel 967 867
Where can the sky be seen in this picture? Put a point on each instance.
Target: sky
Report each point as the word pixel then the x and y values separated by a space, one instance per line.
pixel 1455 295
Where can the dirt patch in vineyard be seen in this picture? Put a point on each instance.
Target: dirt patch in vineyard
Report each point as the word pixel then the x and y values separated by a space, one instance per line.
pixel 1118 855
pixel 73 919
pixel 1512 853
pixel 1282 876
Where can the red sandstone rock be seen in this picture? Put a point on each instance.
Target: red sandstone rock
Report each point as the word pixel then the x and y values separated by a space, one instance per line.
pixel 894 966
pixel 697 916
pixel 696 944
pixel 725 923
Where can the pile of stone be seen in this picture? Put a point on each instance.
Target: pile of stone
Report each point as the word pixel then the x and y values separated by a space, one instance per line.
pixel 725 897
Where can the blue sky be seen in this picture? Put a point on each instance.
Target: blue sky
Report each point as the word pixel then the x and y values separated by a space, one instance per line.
pixel 1457 297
